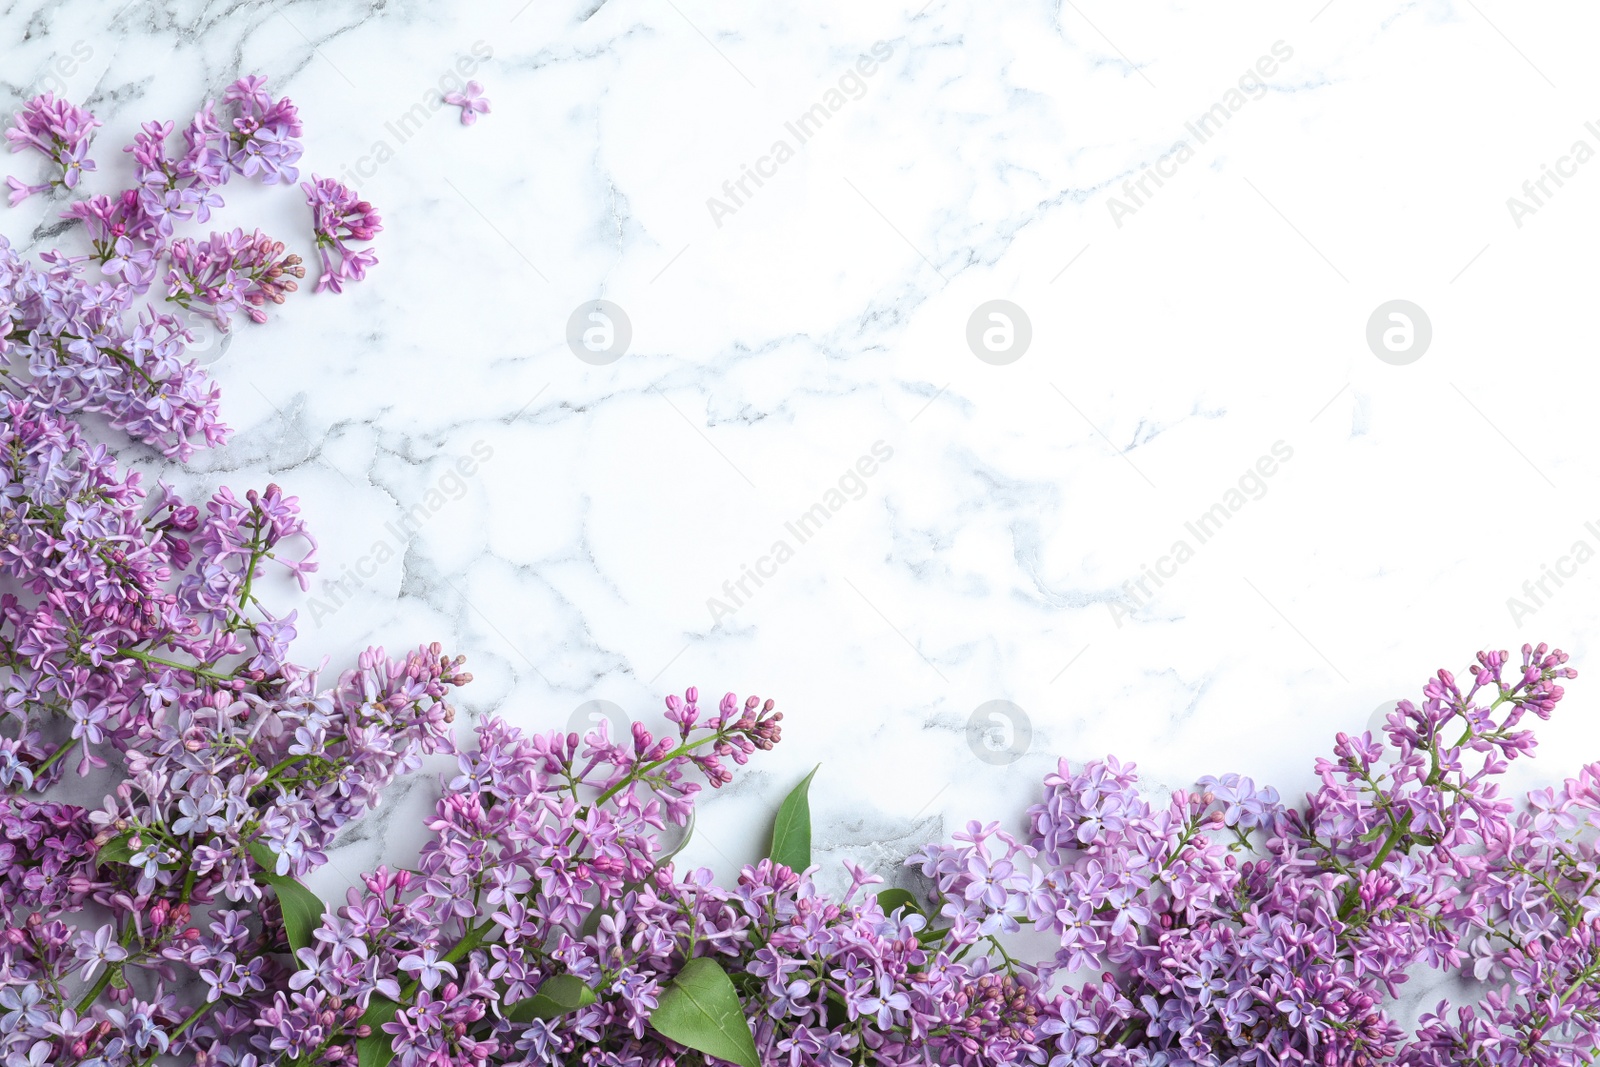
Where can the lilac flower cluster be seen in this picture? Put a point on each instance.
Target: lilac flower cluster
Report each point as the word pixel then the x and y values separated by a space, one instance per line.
pixel 133 233
pixel 544 922
pixel 130 637
pixel 69 345
pixel 231 272
pixel 339 217
pixel 1226 927
pixel 545 866
pixel 544 861
pixel 264 142
pixel 141 927
pixel 1233 929
pixel 58 130
pixel 135 651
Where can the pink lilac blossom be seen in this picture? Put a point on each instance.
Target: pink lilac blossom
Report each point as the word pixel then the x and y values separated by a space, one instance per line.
pixel 60 131
pixel 471 101
pixel 265 140
pixel 338 218
pixel 232 272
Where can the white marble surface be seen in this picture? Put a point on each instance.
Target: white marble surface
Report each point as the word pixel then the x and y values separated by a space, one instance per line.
pixel 776 343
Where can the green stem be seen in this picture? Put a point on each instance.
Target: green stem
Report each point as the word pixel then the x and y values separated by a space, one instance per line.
pixel 193 1018
pixel 99 987
pixel 51 762
pixel 145 657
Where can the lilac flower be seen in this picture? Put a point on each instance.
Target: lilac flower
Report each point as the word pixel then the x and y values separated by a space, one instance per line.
pixel 99 948
pixel 197 814
pixel 264 141
pixel 88 723
pixel 427 967
pixel 22 1007
pixel 338 218
pixel 471 102
pixel 110 220
pixel 58 130
pixel 13 768
pixel 39 1054
pixel 21 190
pixel 232 272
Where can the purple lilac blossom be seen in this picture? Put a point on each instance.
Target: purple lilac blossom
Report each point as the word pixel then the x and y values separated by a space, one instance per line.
pixel 230 273
pixel 471 101
pixel 264 142
pixel 60 131
pixel 1215 927
pixel 338 218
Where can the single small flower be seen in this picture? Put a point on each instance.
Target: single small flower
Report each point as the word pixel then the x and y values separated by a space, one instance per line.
pixel 88 724
pixel 471 101
pixel 99 948
pixel 428 968
pixel 21 190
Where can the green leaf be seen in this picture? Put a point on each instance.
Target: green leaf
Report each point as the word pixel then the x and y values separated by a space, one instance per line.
pixel 895 898
pixel 118 850
pixel 377 1048
pixel 556 997
pixel 791 831
pixel 700 1009
pixel 302 909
